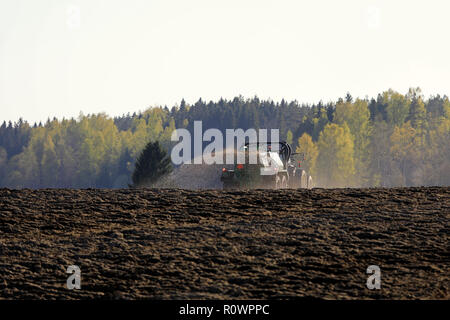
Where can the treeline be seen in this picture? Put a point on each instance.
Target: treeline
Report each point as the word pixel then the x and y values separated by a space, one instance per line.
pixel 88 152
pixel 392 140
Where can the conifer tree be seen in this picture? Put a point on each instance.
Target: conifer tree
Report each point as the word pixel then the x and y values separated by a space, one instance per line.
pixel 152 164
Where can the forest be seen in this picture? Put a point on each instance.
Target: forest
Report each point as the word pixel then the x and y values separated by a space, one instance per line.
pixel 391 140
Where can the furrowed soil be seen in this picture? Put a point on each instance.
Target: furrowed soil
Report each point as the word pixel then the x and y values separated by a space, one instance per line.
pixel 183 244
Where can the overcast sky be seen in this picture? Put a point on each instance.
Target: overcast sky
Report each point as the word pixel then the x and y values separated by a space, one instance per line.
pixel 60 57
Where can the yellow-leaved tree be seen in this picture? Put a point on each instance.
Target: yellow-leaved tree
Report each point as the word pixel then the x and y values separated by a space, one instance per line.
pixel 307 147
pixel 335 165
pixel 357 116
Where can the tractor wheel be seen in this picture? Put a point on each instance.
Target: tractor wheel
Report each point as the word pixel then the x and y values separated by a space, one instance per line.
pixel 228 185
pixel 277 182
pixel 310 183
pixel 301 179
pixel 283 184
pixel 304 180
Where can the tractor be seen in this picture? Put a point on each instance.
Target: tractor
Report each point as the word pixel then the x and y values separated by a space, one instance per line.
pixel 276 168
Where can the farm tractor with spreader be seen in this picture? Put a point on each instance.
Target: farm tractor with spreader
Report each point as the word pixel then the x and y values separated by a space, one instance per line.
pixel 276 167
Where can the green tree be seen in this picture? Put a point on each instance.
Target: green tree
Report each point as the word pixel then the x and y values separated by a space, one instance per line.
pixel 152 164
pixel 289 137
pixel 405 150
pixel 379 155
pixel 437 155
pixel 357 116
pixel 49 164
pixel 319 123
pixel 154 123
pixel 417 113
pixel 3 163
pixel 397 107
pixel 446 107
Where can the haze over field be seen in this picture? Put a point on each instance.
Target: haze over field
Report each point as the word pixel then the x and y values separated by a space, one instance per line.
pixel 58 57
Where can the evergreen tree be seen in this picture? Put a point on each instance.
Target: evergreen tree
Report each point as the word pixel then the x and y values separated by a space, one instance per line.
pixel 152 164
pixel 417 113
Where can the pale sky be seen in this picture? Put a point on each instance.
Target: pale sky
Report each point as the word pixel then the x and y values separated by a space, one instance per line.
pixel 60 57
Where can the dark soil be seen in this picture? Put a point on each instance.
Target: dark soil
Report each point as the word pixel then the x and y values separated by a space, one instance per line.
pixel 181 244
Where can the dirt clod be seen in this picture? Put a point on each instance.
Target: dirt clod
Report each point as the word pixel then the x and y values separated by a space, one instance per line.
pixel 181 244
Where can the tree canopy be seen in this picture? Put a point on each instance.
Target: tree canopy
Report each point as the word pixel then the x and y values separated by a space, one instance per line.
pixel 393 139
